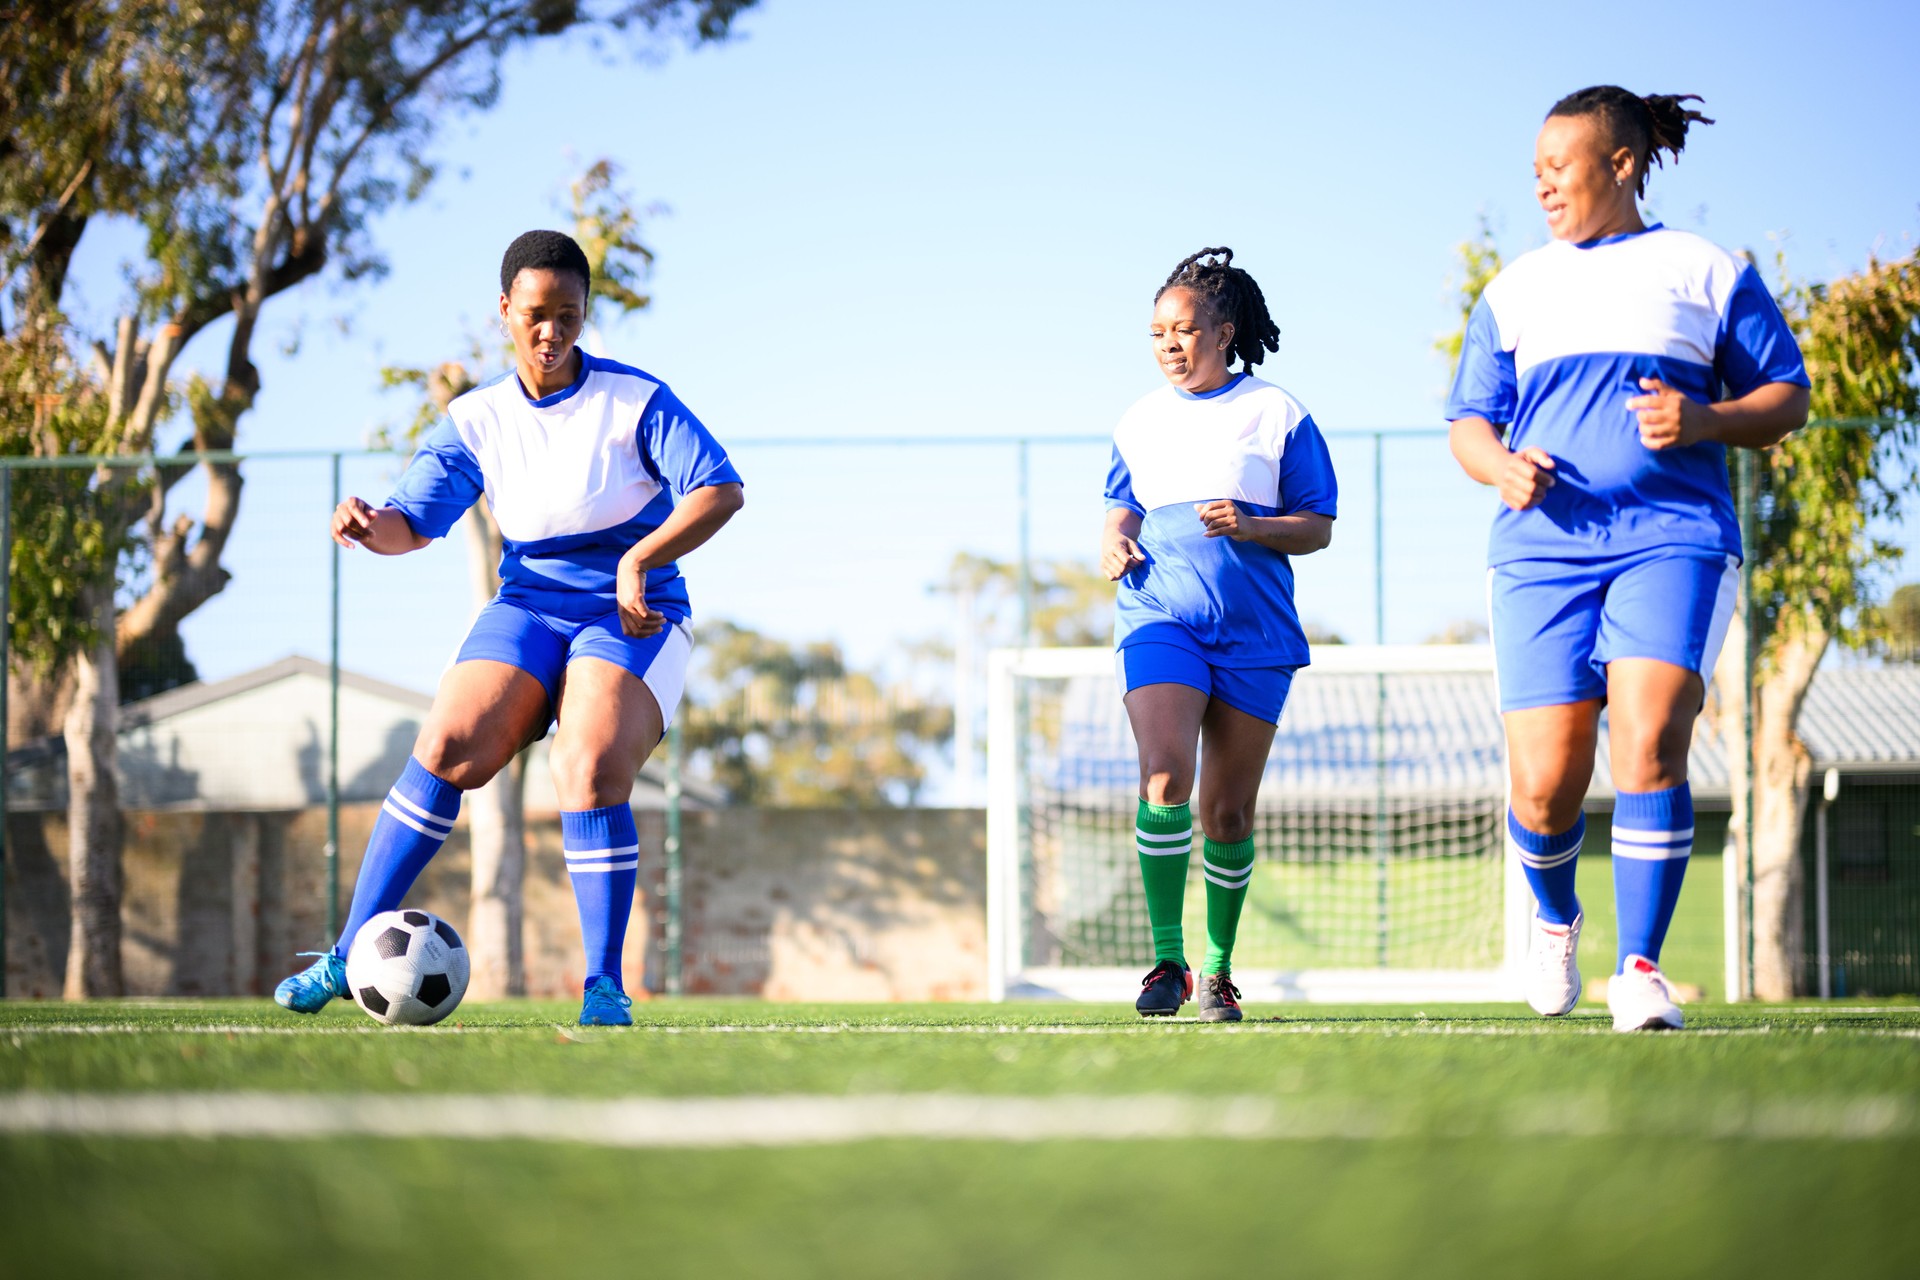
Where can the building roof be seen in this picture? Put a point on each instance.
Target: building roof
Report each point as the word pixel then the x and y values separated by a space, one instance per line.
pixel 1439 735
pixel 257 741
pixel 190 697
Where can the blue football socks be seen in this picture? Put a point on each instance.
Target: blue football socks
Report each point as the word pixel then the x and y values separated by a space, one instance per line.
pixel 1550 863
pixel 412 825
pixel 603 861
pixel 1652 840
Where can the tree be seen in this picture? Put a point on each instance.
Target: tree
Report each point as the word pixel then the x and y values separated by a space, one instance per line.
pixel 780 724
pixel 1903 624
pixel 254 142
pixel 1817 561
pixel 1480 262
pixel 1460 631
pixel 607 225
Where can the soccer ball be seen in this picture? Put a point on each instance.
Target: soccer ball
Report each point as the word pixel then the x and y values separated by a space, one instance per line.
pixel 407 968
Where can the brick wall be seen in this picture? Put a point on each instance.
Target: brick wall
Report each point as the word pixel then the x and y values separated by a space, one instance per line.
pixel 789 904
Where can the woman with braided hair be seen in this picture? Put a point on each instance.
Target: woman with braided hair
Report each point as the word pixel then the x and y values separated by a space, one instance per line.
pixel 1217 479
pixel 1602 380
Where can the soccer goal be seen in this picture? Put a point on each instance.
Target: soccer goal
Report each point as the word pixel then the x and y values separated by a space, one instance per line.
pixel 1382 870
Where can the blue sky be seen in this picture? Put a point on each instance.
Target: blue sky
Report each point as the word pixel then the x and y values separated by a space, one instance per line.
pixel 895 219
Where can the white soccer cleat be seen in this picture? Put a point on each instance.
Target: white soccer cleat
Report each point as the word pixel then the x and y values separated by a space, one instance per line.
pixel 1553 975
pixel 1641 1000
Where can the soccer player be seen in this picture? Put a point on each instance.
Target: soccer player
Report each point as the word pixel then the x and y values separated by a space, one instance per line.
pixel 600 480
pixel 1602 380
pixel 1217 479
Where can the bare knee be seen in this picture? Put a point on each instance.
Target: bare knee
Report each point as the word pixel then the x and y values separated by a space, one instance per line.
pixel 589 778
pixel 1545 802
pixel 1226 822
pixel 1648 760
pixel 1166 779
pixel 455 757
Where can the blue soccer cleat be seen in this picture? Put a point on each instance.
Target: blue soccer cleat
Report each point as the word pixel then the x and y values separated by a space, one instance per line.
pixel 309 990
pixel 605 1005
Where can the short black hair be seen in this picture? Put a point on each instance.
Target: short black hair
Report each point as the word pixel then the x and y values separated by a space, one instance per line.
pixel 1658 122
pixel 1229 294
pixel 544 251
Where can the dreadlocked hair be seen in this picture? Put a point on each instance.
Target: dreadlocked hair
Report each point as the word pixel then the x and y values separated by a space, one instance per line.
pixel 1229 295
pixel 1649 125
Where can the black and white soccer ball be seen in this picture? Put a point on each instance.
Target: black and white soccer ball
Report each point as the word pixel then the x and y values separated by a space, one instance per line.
pixel 407 968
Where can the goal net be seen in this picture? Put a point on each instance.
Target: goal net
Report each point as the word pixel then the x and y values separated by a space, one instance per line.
pixel 1381 871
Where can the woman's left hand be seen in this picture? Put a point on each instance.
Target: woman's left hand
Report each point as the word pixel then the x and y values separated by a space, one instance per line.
pixel 1668 420
pixel 630 599
pixel 1223 519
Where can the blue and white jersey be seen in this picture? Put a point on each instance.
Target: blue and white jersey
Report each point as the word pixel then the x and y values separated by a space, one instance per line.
pixel 1558 345
pixel 574 479
pixel 1230 601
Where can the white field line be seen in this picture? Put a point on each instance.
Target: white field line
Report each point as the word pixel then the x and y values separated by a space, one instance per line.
pixel 1587 1026
pixel 804 1120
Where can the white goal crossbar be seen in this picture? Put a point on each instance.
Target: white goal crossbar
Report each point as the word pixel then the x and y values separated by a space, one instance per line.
pixel 1387 780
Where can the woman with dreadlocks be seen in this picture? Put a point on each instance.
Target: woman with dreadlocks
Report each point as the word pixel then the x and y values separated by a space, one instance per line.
pixel 1602 380
pixel 1217 479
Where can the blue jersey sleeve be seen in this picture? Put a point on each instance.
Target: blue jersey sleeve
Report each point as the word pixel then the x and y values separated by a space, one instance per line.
pixel 678 450
pixel 1120 485
pixel 1307 481
pixel 1755 346
pixel 439 484
pixel 1485 385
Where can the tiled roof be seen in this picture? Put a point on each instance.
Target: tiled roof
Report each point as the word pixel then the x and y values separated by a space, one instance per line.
pixel 1441 736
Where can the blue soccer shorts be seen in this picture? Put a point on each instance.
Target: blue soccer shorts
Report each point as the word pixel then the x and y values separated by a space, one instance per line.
pixel 1556 624
pixel 1261 692
pixel 542 645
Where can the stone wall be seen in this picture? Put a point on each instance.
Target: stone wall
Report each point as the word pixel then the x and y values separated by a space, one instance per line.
pixel 788 904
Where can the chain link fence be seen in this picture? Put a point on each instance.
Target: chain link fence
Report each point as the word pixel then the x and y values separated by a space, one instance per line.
pixel 294 683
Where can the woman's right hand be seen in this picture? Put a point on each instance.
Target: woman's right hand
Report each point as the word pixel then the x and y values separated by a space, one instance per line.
pixel 1118 554
pixel 352 522
pixel 1527 477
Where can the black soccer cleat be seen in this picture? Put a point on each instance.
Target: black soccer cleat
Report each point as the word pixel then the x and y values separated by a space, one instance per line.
pixel 1164 990
pixel 1219 999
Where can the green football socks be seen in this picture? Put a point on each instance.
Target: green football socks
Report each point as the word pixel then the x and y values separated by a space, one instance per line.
pixel 1228 869
pixel 1163 833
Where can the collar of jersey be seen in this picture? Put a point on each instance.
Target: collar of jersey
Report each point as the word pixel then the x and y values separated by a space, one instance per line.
pixel 1616 239
pixel 547 402
pixel 1220 390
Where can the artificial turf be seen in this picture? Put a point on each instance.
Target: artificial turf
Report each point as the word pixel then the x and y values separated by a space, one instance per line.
pixel 1456 1189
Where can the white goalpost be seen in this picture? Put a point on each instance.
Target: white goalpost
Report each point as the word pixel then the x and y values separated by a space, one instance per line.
pixel 1382 870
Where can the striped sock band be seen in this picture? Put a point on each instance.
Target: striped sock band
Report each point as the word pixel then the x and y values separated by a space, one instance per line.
pixel 1652 840
pixel 414 821
pixel 1228 869
pixel 603 861
pixel 1163 837
pixel 1550 863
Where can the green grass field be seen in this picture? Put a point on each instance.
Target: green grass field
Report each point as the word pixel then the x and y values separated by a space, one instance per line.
pixel 1434 1142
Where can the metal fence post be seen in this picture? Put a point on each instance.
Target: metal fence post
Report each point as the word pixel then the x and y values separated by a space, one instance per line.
pixel 1026 556
pixel 6 667
pixel 1382 820
pixel 333 730
pixel 672 851
pixel 1822 917
pixel 1749 537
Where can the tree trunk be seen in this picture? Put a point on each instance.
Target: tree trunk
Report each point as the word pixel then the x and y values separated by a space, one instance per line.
pixel 93 813
pixel 495 932
pixel 497 817
pixel 1782 767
